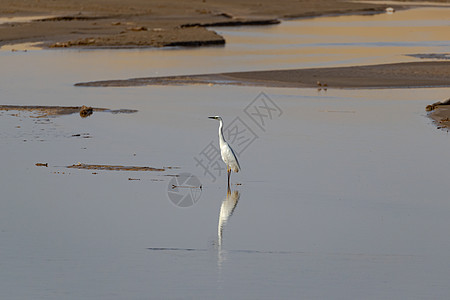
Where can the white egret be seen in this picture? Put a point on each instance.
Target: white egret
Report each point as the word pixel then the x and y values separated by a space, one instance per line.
pixel 227 153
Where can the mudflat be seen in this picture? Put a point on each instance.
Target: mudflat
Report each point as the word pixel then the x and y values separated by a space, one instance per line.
pixel 155 23
pixel 418 74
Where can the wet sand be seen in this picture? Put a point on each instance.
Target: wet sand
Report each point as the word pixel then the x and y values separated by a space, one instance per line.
pixel 440 113
pixel 156 23
pixel 40 111
pixel 441 117
pixel 401 75
pixel 81 166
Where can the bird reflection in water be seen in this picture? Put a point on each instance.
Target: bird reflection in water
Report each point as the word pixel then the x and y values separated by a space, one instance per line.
pixel 226 211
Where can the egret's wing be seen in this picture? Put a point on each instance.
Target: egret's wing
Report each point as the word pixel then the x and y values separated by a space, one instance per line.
pixel 234 160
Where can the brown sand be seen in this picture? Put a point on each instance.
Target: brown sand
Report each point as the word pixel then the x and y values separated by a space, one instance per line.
pixel 441 117
pixel 440 113
pixel 419 74
pixel 49 111
pixel 138 23
pixel 113 168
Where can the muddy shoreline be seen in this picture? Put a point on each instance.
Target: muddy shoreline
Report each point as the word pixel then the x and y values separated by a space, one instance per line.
pixel 154 23
pixel 40 111
pixel 439 112
pixel 441 117
pixel 82 166
pixel 399 75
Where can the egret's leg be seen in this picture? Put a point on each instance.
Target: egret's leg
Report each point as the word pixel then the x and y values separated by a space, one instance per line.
pixel 229 173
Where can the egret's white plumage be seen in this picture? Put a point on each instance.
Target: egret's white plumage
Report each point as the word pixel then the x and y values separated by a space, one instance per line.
pixel 227 153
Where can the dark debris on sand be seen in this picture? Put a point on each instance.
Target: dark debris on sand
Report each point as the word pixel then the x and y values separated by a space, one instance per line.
pixel 82 166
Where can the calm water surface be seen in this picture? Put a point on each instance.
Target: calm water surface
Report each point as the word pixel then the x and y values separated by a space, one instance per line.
pixel 342 196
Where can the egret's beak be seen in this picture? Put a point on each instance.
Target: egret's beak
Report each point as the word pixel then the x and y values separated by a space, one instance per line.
pixel 212 117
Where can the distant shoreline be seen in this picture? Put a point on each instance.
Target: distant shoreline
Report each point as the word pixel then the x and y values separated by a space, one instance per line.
pixel 152 23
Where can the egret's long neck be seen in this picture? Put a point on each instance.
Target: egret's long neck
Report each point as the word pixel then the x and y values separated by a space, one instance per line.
pixel 221 139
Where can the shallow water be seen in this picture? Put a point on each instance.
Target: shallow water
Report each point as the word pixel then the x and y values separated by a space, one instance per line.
pixel 343 40
pixel 343 195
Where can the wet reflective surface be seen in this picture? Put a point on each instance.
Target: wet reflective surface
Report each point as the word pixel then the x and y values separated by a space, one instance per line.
pixel 343 195
pixel 226 211
pixel 343 40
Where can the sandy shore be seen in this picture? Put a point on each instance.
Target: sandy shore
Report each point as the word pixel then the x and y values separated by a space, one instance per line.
pixel 49 111
pixel 441 117
pixel 439 112
pixel 419 74
pixel 155 23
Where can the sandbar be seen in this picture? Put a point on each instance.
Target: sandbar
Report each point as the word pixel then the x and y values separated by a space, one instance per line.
pixel 398 75
pixel 151 23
